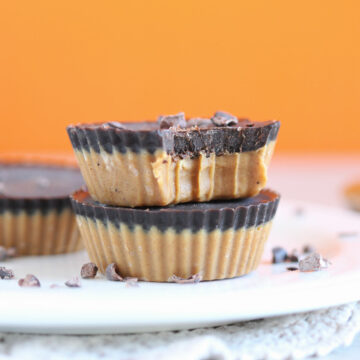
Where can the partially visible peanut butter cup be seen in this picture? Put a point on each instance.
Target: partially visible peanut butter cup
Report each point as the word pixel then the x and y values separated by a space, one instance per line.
pixel 174 160
pixel 218 239
pixel 36 216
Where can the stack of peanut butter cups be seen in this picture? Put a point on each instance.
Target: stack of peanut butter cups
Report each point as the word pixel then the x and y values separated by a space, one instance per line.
pixel 175 198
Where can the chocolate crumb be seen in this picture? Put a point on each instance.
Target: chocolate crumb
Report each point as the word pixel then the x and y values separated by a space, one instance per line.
pixel 29 281
pixel 7 253
pixel 293 256
pixel 73 283
pixel 222 118
pixel 292 268
pixel 313 262
pixel 168 121
pixel 250 125
pixel 6 274
pixel 3 253
pixel 131 282
pixel 299 211
pixel 112 272
pixel 89 271
pixel 345 234
pixel 279 255
pixel 308 249
pixel 193 279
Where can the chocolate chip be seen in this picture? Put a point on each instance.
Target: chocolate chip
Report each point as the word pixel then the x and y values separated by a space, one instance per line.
pixel 279 255
pixel 308 249
pixel 293 256
pixel 29 281
pixel 222 118
pixel 168 121
pixel 292 268
pixel 112 272
pixel 6 273
pixel 313 262
pixel 73 283
pixel 193 279
pixel 89 271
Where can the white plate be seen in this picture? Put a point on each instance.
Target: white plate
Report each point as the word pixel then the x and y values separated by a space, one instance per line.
pixel 101 306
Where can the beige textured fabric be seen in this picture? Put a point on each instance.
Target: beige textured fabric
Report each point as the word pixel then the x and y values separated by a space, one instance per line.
pixel 156 255
pixel 146 179
pixel 39 234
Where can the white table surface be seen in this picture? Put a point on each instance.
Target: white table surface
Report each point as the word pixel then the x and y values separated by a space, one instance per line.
pixel 320 179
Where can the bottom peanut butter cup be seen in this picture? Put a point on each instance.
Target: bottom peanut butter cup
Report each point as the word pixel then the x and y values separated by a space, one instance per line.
pixel 218 240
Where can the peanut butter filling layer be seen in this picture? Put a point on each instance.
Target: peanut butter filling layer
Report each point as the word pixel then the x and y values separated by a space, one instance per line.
pixel 156 255
pixel 158 179
pixel 40 233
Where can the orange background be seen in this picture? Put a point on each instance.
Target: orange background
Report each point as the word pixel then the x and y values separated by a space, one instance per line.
pixel 65 62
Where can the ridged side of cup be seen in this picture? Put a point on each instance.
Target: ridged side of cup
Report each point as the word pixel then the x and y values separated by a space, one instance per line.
pixel 157 179
pixel 155 254
pixel 39 227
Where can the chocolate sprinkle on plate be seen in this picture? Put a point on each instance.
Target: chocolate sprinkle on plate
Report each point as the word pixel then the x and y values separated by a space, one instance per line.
pixel 292 268
pixel 313 262
pixel 73 283
pixel 345 234
pixel 279 255
pixel 29 281
pixel 112 273
pixel 89 271
pixel 7 253
pixel 6 274
pixel 193 279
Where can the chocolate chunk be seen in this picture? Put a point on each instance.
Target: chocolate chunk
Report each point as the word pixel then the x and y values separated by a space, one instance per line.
pixel 222 118
pixel 292 268
pixel 73 283
pixel 112 272
pixel 308 249
pixel 29 281
pixel 200 122
pixel 313 262
pixel 6 273
pixel 193 279
pixel 293 256
pixel 168 121
pixel 89 271
pixel 279 255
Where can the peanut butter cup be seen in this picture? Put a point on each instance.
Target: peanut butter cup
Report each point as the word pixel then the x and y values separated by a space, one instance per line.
pixel 174 160
pixel 36 216
pixel 218 239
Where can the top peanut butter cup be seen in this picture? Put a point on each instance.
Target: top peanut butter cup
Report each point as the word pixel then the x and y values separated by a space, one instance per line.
pixel 174 160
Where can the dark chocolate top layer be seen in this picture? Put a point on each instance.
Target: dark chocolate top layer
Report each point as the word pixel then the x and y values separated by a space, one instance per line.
pixel 223 133
pixel 209 216
pixel 32 187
